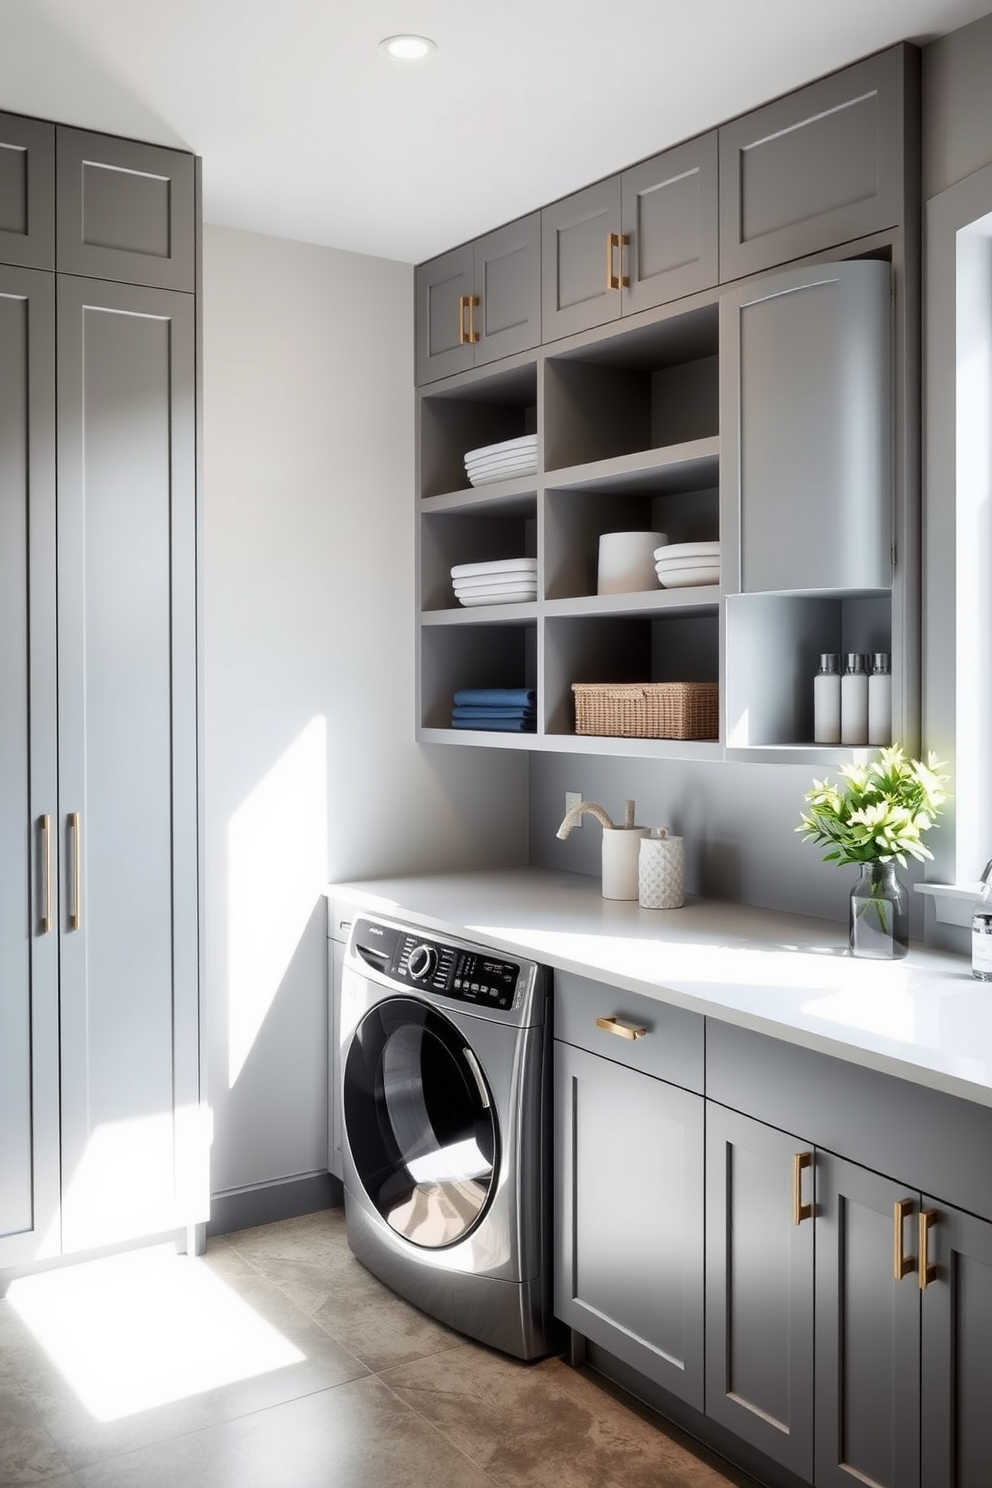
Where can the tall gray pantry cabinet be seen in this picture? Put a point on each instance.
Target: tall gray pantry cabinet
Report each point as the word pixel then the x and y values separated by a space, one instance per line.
pixel 99 1051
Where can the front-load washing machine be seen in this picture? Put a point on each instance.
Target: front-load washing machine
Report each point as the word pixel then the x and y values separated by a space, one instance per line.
pixel 446 1084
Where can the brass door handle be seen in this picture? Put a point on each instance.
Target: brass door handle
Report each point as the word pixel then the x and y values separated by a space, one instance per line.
pixel 622 1030
pixel 615 244
pixel 928 1270
pixel 902 1264
pixel 76 902
pixel 45 917
pixel 467 334
pixel 800 1211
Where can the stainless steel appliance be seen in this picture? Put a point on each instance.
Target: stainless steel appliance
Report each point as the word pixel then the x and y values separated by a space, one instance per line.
pixel 446 1082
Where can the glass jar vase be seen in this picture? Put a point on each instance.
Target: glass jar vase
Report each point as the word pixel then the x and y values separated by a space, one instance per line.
pixel 879 914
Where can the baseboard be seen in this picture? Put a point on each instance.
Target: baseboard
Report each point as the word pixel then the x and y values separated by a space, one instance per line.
pixel 264 1203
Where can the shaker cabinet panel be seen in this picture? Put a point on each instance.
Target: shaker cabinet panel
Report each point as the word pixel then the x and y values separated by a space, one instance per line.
pixel 957 1351
pixel 440 326
pixel 29 1059
pixel 669 214
pixel 822 166
pixel 126 210
pixel 508 285
pixel 759 1289
pixel 629 1217
pixel 867 1329
pixel 577 261
pixel 127 767
pixel 27 192
pixel 806 374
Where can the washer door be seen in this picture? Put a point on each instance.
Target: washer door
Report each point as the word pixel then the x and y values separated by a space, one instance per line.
pixel 420 1121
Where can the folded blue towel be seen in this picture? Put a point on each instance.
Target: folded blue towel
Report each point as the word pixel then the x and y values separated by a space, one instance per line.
pixel 502 725
pixel 496 697
pixel 481 714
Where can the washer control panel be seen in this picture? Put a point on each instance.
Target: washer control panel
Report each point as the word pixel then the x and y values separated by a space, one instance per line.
pixel 464 975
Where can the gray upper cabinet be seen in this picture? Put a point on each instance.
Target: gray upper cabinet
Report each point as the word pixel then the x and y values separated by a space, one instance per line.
pixel 822 166
pixel 126 210
pixel 479 302
pixel 127 758
pixel 806 368
pixel 631 242
pixel 29 1052
pixel 27 192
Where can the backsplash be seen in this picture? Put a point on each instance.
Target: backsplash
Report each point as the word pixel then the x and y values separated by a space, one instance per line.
pixel 737 820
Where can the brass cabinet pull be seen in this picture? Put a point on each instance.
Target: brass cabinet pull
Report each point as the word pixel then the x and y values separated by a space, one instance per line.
pixel 622 1030
pixel 467 334
pixel 902 1264
pixel 615 244
pixel 46 874
pixel 800 1211
pixel 928 1270
pixel 76 905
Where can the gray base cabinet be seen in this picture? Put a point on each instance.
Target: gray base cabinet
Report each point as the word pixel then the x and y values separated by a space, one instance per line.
pixel 628 1264
pixel 759 1290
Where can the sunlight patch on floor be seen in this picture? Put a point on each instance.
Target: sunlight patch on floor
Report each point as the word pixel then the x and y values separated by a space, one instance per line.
pixel 132 1332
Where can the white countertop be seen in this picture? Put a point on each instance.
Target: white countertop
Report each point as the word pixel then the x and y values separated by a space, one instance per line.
pixel 923 1018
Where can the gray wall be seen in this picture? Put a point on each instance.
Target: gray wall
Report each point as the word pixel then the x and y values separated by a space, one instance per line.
pixel 311 772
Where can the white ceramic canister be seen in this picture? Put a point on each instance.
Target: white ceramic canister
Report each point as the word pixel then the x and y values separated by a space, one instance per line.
pixel 661 871
pixel 621 846
pixel 626 561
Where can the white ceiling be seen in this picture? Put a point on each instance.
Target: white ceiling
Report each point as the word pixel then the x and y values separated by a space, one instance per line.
pixel 306 131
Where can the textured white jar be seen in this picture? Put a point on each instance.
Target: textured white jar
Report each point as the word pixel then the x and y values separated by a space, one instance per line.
pixel 661 871
pixel 621 846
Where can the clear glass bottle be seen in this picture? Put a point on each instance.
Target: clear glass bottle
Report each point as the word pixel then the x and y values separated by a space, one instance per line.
pixel 826 700
pixel 879 924
pixel 854 700
pixel 880 700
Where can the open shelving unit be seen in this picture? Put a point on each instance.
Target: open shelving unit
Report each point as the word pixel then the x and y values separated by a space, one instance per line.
pixel 638 429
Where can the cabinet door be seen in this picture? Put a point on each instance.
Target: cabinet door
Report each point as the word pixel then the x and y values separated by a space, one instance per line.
pixel 629 1217
pixel 27 192
pixel 29 1060
pixel 439 331
pixel 575 260
pixel 669 213
pixel 507 275
pixel 867 1331
pixel 127 758
pixel 759 1289
pixel 126 211
pixel 823 165
pixel 957 1351
pixel 806 383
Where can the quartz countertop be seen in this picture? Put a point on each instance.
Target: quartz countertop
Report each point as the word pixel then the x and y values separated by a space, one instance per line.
pixel 923 1018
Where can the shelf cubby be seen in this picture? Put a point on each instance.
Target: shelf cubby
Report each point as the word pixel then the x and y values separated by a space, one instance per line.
pixel 642 389
pixel 448 538
pixel 773 646
pixel 485 409
pixel 678 646
pixel 502 653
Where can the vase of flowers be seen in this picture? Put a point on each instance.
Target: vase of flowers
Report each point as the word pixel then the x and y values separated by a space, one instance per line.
pixel 876 820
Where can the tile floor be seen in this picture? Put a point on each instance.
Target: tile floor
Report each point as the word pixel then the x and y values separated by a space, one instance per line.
pixel 277 1361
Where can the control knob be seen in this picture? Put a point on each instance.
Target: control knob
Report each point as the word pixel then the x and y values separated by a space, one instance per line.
pixel 422 962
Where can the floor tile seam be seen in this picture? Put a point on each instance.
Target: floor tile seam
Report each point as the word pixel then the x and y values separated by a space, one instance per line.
pixel 436 1431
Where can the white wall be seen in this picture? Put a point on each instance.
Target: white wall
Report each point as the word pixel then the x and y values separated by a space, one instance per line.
pixel 311 772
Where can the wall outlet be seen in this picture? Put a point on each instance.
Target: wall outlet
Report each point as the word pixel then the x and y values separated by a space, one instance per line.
pixel 572 798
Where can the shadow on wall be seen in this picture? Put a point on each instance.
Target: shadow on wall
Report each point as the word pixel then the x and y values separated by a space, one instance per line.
pixel 48 70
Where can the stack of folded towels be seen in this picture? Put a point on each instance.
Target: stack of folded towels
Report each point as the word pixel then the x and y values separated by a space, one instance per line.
pixel 512 710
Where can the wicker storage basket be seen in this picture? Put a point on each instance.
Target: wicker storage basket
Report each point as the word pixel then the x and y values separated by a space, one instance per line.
pixel 648 710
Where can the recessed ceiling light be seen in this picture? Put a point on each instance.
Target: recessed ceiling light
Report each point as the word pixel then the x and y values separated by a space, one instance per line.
pixel 407 48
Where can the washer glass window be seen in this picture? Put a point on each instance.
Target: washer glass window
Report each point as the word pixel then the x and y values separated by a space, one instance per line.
pixel 420 1122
